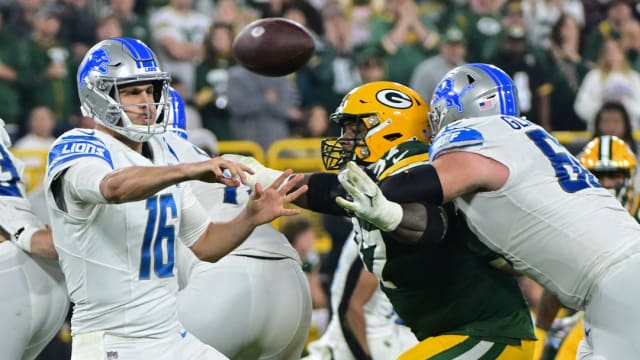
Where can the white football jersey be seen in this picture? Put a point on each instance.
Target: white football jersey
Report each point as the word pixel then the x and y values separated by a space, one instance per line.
pixel 223 203
pixel 118 259
pixel 551 219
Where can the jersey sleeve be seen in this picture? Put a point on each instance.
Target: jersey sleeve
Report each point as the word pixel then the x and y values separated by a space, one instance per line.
pixel 455 138
pixel 74 147
pixel 193 220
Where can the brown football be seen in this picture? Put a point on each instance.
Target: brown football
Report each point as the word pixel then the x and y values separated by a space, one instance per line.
pixel 273 46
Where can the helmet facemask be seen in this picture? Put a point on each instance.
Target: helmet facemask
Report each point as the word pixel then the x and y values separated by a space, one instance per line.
pixel 374 118
pixel 336 152
pixel 111 65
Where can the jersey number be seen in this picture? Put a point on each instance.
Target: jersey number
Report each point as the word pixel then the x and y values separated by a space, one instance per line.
pixel 159 238
pixel 571 175
pixel 8 175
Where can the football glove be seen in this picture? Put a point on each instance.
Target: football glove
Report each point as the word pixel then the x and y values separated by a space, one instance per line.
pixel 262 175
pixel 368 203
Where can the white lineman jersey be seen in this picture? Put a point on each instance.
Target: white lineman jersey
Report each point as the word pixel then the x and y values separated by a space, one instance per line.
pixel 223 203
pixel 118 259
pixel 551 219
pixel 35 302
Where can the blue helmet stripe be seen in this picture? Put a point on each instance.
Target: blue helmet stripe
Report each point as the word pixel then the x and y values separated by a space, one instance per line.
pixel 508 101
pixel 140 52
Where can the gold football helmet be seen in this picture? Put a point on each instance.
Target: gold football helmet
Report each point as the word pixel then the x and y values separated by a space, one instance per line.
pixel 374 118
pixel 610 156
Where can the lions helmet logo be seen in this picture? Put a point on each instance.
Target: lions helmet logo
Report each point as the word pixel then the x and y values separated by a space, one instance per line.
pixel 97 61
pixel 445 91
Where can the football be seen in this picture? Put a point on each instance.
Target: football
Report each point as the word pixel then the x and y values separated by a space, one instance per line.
pixel 273 46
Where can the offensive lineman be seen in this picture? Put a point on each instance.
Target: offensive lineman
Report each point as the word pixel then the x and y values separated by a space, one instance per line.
pixel 254 303
pixel 34 302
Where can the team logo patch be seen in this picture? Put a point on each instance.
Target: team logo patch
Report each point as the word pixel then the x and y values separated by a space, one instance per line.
pixel 97 61
pixel 445 92
pixel 394 98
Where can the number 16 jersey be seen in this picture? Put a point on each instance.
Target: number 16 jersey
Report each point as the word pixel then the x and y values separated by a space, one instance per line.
pixel 118 259
pixel 551 219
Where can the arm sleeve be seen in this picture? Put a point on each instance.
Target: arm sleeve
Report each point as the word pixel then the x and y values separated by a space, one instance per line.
pixel 419 184
pixel 193 218
pixel 322 193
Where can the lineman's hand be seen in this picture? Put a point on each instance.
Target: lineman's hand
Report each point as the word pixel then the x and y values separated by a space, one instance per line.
pixel 368 201
pixel 219 170
pixel 261 174
pixel 18 224
pixel 268 204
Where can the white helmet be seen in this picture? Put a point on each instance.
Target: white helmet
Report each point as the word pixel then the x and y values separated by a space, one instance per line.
pixel 115 62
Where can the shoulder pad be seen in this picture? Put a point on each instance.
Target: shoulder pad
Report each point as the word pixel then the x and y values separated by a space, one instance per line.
pixel 74 145
pixel 454 138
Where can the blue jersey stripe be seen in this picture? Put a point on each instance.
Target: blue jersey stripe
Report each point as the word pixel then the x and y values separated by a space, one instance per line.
pixel 508 101
pixel 67 151
pixel 140 52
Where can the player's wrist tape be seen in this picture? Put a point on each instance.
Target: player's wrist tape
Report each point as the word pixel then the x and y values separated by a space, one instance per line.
pixel 22 237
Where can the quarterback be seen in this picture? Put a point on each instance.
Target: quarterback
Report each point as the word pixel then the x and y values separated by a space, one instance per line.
pixel 118 203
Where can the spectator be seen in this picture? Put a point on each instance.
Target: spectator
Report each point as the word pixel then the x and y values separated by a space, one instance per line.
pixel 51 76
pixel 179 32
pixel 613 119
pixel 405 37
pixel 20 21
pixel 332 71
pixel 212 80
pixel 617 14
pixel 566 70
pixel 133 25
pixel 265 118
pixel 371 66
pixel 481 22
pixel 527 70
pixel 108 26
pixel 428 74
pixel 630 41
pixel 540 17
pixel 612 79
pixel 40 135
pixel 78 24
pixel 12 64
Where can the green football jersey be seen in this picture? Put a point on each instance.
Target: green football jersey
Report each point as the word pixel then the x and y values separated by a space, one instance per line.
pixel 442 287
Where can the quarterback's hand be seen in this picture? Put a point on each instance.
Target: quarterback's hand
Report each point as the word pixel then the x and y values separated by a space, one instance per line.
pixel 268 204
pixel 261 174
pixel 368 201
pixel 219 170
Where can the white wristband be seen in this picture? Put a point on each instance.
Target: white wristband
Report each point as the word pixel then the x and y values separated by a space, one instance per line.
pixel 22 238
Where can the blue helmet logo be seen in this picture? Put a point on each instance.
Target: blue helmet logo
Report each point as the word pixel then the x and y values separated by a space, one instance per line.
pixel 97 61
pixel 445 91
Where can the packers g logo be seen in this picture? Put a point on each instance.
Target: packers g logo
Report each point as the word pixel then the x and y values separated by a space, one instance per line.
pixel 394 98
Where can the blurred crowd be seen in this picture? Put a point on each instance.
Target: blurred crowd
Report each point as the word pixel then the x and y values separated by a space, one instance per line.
pixel 567 57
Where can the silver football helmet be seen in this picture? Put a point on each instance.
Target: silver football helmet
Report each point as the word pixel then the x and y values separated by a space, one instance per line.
pixel 115 62
pixel 472 90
